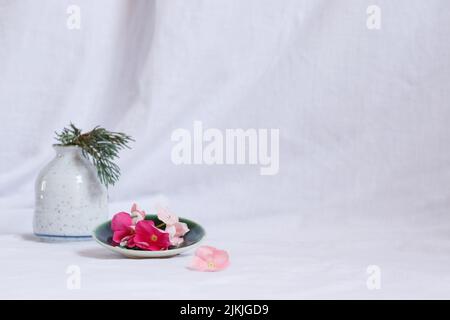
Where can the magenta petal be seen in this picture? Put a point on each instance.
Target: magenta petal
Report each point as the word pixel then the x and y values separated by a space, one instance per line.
pixel 144 228
pixel 130 242
pixel 148 237
pixel 119 235
pixel 121 221
pixel 141 245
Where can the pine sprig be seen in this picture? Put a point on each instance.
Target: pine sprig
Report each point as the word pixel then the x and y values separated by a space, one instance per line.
pixel 100 146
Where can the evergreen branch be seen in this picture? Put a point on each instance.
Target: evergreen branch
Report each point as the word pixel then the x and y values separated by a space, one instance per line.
pixel 100 146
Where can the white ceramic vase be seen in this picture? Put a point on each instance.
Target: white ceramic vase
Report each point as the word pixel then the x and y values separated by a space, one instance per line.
pixel 70 200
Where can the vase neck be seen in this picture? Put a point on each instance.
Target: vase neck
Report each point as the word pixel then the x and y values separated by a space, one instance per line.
pixel 67 151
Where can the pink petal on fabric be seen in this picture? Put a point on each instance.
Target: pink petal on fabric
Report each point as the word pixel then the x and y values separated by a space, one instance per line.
pixel 220 260
pixel 209 259
pixel 205 252
pixel 198 264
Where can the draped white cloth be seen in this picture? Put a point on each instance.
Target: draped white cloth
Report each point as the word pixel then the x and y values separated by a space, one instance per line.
pixel 363 116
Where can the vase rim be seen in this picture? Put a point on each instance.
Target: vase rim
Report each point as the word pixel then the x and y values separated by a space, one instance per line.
pixel 56 145
pixel 60 149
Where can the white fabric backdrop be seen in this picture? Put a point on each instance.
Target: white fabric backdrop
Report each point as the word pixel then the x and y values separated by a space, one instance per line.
pixel 363 116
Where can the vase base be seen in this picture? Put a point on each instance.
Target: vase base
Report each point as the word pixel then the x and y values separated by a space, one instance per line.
pixel 61 238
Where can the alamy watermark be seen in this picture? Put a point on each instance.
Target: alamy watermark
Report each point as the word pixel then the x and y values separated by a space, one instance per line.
pixel 73 17
pixel 73 281
pixel 374 280
pixel 231 146
pixel 373 21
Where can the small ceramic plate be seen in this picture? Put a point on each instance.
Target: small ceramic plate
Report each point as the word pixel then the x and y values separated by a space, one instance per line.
pixel 103 235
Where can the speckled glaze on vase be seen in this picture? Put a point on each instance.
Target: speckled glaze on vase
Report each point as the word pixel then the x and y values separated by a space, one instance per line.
pixel 70 200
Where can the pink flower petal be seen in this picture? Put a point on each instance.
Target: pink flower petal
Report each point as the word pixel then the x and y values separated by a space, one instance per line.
pixel 121 225
pixel 137 214
pixel 119 235
pixel 221 259
pixel 166 216
pixel 128 241
pixel 145 226
pixel 148 237
pixel 205 252
pixel 209 259
pixel 171 230
pixel 181 229
pixel 121 221
pixel 198 264
pixel 176 241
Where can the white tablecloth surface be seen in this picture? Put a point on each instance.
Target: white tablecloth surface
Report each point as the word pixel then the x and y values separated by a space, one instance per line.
pixel 274 257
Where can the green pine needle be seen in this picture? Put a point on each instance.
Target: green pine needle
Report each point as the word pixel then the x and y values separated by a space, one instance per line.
pixel 99 146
